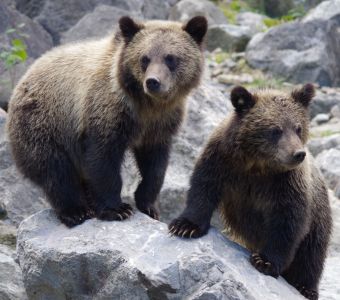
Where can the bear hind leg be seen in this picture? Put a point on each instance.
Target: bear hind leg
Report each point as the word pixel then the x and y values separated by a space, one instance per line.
pixel 65 191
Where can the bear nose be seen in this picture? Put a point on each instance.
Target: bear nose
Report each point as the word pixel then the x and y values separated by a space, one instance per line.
pixel 299 156
pixel 153 84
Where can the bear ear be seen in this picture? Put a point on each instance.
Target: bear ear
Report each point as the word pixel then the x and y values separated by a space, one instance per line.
pixel 304 95
pixel 241 99
pixel 197 28
pixel 128 28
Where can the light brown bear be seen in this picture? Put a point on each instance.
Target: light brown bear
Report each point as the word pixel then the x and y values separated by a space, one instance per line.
pixel 272 196
pixel 81 106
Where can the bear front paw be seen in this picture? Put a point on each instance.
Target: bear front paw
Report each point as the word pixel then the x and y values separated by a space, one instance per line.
pixel 309 294
pixel 263 265
pixel 184 228
pixel 120 213
pixel 150 210
pixel 74 217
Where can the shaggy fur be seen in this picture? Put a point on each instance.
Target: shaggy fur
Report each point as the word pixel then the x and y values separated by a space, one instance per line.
pixel 81 106
pixel 272 197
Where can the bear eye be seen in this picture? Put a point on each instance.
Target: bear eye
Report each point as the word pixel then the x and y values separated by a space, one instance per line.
pixel 171 61
pixel 275 134
pixel 144 62
pixel 299 130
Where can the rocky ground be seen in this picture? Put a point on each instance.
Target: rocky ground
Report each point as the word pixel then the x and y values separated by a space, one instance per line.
pixel 86 261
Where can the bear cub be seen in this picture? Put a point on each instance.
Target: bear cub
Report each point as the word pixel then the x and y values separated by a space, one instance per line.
pixel 81 106
pixel 257 170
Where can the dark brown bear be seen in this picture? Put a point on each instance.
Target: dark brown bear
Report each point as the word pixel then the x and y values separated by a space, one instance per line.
pixel 81 106
pixel 272 197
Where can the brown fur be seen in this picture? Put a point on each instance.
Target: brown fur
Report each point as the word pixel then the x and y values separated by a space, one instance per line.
pixel 80 106
pixel 271 196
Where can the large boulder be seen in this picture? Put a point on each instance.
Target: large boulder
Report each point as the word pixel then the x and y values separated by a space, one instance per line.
pixel 136 259
pixel 186 9
pixel 96 24
pixel 329 164
pixel 228 37
pixel 59 16
pixel 299 52
pixel 32 34
pixel 19 197
pixel 323 102
pixel 254 21
pixel 319 144
pixel 11 284
pixel 326 10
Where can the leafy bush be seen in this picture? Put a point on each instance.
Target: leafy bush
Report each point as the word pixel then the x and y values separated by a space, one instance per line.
pixel 15 53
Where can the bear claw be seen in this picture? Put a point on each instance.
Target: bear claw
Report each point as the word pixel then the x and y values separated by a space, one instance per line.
pixel 185 229
pixel 74 218
pixel 122 212
pixel 309 294
pixel 263 265
pixel 151 211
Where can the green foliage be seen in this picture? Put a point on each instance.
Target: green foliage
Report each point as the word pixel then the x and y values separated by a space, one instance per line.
pixel 295 13
pixel 15 53
pixel 220 57
pixel 231 8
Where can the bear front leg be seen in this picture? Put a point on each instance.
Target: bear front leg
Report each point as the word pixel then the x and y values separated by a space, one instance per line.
pixel 152 161
pixel 284 231
pixel 102 168
pixel 206 186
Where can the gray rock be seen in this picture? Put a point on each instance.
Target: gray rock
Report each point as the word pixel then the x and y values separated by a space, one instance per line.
pixel 252 20
pixel 11 285
pixel 59 16
pixel 206 108
pixel 186 9
pixel 299 52
pixel 324 130
pixel 19 197
pixel 335 111
pixel 36 39
pixel 326 10
pixel 322 103
pixel 136 259
pixel 321 119
pixel 329 164
pixel 156 9
pixel 228 37
pixel 317 145
pixel 96 24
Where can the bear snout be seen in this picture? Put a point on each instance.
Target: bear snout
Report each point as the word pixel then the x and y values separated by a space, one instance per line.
pixel 299 156
pixel 153 84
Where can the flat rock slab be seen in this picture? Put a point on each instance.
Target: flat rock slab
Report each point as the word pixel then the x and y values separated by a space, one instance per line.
pixel 136 259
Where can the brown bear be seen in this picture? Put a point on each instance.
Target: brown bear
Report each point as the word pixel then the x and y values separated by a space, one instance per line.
pixel 81 106
pixel 271 195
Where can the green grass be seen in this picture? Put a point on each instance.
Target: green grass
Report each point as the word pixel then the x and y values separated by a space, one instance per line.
pixel 220 57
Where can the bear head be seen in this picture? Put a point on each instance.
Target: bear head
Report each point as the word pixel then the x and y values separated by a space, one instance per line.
pixel 272 126
pixel 161 60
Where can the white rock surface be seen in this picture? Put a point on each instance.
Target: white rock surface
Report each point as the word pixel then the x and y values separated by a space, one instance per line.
pixel 11 285
pixel 329 285
pixel 324 11
pixel 136 259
